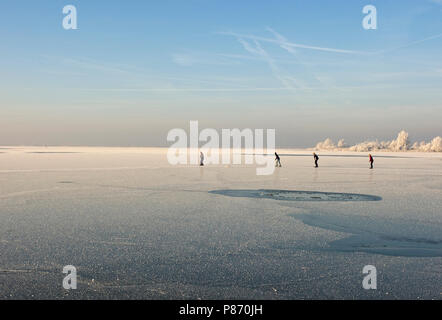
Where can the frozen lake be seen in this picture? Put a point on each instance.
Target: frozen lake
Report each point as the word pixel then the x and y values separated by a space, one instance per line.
pixel 136 227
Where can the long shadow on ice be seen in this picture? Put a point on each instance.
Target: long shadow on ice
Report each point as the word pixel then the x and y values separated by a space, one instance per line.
pixel 377 235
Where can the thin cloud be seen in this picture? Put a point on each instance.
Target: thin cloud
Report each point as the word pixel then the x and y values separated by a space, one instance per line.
pixel 411 43
pixel 292 51
pixel 291 45
pixel 85 64
pixel 287 81
pixel 282 41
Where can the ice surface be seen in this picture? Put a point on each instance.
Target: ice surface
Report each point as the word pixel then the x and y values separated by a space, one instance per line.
pixel 137 227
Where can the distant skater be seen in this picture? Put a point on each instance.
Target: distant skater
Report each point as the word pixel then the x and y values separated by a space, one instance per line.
pixel 277 161
pixel 370 159
pixel 201 159
pixel 316 158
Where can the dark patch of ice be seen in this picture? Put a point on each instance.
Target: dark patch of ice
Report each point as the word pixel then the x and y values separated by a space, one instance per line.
pixel 294 195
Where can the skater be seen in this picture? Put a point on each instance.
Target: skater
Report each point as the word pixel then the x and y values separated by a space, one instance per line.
pixel 370 159
pixel 315 156
pixel 201 159
pixel 277 161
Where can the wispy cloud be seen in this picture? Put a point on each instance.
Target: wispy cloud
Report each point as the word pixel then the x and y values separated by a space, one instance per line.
pixel 291 45
pixel 292 51
pixel 140 77
pixel 257 50
pixel 282 41
pixel 411 43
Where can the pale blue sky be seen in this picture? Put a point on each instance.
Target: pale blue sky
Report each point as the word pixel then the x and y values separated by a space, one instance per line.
pixel 136 69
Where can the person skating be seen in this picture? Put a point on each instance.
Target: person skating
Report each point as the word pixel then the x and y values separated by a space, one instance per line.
pixel 316 158
pixel 201 159
pixel 277 160
pixel 370 159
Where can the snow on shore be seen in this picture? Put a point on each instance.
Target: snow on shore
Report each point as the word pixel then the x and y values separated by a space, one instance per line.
pixel 401 143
